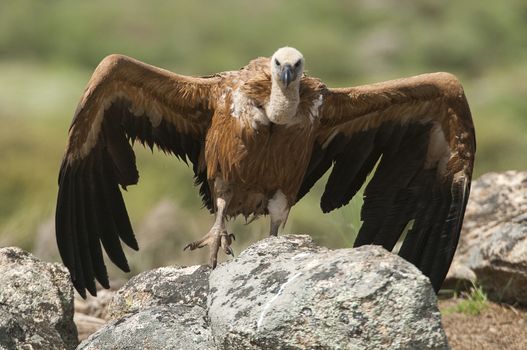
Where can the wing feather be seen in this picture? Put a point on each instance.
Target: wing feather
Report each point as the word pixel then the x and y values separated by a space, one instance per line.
pixel 93 232
pixel 125 100
pixel 83 236
pixel 416 135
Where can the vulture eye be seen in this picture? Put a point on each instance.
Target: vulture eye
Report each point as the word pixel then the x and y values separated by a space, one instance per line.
pixel 276 62
pixel 297 64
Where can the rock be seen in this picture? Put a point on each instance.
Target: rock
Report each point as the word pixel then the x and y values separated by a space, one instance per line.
pixel 17 332
pixel 502 270
pixel 286 293
pixel 162 286
pixel 460 278
pixel 493 243
pixel 159 327
pixel 281 293
pixel 153 307
pixel 36 300
pixel 166 287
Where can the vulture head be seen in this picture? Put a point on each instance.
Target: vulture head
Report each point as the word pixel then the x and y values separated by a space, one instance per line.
pixel 287 66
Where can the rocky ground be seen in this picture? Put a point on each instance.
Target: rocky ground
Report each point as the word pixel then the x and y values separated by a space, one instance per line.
pixel 498 326
pixel 492 253
pixel 283 292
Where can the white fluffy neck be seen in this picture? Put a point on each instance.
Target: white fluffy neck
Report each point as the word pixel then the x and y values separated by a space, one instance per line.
pixel 283 103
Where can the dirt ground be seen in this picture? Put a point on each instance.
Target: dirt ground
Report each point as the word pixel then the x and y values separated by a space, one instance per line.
pixel 497 327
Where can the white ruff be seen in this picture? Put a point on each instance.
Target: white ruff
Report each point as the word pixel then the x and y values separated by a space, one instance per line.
pixel 283 104
pixel 246 110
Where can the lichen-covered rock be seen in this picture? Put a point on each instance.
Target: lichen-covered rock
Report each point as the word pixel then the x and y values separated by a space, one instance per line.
pixel 159 327
pixel 502 266
pixel 493 243
pixel 162 286
pixel 17 332
pixel 37 303
pixel 286 293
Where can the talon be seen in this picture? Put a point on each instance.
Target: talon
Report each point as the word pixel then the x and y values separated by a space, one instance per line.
pixel 196 244
pixel 231 235
pixel 229 251
pixel 226 241
pixel 190 246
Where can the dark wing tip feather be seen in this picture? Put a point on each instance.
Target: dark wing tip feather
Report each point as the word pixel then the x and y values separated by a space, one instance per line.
pixel 90 210
pixel 113 195
pixel 401 190
pixel 450 232
pixel 94 240
pixel 84 236
pixel 92 183
pixel 64 241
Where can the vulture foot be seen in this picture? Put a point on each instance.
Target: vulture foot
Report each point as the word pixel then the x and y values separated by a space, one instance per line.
pixel 216 238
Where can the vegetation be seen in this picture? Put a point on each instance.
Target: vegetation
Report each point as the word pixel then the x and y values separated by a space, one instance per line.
pixel 472 303
pixel 49 48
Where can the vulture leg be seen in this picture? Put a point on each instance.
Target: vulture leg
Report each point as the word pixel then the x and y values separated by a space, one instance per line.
pixel 275 225
pixel 278 208
pixel 217 236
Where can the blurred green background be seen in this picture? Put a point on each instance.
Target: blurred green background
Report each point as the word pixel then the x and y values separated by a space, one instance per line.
pixel 48 50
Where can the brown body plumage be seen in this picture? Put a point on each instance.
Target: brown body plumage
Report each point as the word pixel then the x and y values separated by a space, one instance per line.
pixel 254 158
pixel 258 139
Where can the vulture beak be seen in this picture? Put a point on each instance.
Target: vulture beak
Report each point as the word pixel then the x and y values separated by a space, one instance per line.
pixel 287 75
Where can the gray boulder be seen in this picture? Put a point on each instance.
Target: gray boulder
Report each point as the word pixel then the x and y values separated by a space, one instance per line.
pixel 17 332
pixel 36 303
pixel 162 286
pixel 501 267
pixel 280 293
pixel 163 308
pixel 159 327
pixel 286 293
pixel 493 243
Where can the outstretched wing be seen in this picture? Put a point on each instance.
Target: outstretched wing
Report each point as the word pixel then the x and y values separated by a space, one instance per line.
pixel 418 134
pixel 125 100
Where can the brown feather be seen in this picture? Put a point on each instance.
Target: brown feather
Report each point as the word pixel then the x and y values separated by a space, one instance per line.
pixel 420 128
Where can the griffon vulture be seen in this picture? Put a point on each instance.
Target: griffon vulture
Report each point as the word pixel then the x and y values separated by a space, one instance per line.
pixel 258 140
